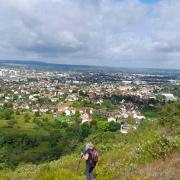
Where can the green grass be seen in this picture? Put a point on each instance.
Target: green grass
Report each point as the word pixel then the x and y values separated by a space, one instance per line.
pixel 3 123
pixel 120 156
pixel 58 174
pixel 138 154
pixel 26 125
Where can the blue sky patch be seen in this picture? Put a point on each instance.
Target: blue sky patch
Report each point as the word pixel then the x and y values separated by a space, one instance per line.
pixel 149 1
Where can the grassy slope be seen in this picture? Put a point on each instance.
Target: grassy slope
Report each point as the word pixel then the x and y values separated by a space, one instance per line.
pixel 133 154
pixel 148 152
pixel 20 123
pixel 161 169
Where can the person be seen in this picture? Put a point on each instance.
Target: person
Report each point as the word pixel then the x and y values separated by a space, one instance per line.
pixel 90 155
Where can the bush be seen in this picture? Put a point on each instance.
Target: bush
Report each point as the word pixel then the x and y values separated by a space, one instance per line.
pixel 85 130
pixel 11 123
pixel 6 113
pixel 170 117
pixel 113 126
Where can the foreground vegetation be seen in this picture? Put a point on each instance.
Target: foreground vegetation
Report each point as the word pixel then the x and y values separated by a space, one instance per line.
pixel 152 152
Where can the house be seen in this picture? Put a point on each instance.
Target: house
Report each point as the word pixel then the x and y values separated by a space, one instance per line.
pixel 44 109
pixel 54 99
pixel 1 94
pixel 72 97
pixel 26 106
pixel 68 111
pixel 99 101
pixel 125 115
pixel 86 110
pixel 111 119
pixel 124 128
pixel 169 97
pixel 7 98
pixel 85 118
pixel 92 95
pixel 1 103
pixel 61 94
pixel 52 108
pixel 135 116
pixel 61 109
pixel 35 110
pixel 33 97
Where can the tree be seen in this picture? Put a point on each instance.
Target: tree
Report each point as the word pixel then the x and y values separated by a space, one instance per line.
pixel 7 113
pixel 81 93
pixel 85 130
pixel 102 125
pixel 169 116
pixel 17 112
pixel 8 105
pixel 45 119
pixel 108 104
pixel 11 123
pixel 37 114
pixel 113 126
pixel 44 101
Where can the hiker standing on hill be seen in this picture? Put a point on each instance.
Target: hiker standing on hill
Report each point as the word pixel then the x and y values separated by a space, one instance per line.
pixel 91 157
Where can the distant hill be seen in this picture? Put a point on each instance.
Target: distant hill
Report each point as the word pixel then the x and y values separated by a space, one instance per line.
pixel 83 68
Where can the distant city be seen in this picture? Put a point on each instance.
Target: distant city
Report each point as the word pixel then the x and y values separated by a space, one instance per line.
pixel 32 87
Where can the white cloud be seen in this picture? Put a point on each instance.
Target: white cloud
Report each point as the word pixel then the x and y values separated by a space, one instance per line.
pixel 100 32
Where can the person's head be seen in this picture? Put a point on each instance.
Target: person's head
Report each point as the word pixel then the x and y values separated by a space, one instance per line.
pixel 89 145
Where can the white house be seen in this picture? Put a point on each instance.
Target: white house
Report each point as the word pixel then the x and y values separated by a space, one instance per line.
pixel 72 97
pixel 124 128
pixel 135 116
pixel 169 97
pixel 111 119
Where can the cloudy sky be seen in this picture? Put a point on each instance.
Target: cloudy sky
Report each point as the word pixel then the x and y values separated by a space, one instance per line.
pixel 121 33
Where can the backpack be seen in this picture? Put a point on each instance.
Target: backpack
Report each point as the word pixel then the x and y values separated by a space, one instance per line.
pixel 94 155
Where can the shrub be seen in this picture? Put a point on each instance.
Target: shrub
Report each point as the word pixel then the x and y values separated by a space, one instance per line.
pixel 170 118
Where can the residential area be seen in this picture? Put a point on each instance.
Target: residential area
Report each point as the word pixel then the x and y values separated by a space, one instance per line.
pixel 115 98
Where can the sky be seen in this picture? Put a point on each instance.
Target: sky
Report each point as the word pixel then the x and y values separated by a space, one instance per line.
pixel 117 33
pixel 149 1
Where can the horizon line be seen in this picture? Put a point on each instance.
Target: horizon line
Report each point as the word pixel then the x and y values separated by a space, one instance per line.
pixel 105 66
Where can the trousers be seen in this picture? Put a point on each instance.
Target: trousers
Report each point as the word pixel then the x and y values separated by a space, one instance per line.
pixel 89 172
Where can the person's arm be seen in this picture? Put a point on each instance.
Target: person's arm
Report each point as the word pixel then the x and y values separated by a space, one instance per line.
pixel 85 156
